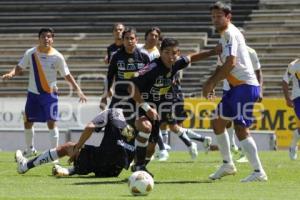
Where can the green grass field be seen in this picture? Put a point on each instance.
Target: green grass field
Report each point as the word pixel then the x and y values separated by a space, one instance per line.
pixel 178 178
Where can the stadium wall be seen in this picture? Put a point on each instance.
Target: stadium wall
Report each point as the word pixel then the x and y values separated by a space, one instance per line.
pixel 270 115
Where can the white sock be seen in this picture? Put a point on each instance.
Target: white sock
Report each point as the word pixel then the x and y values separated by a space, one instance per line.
pixel 231 136
pixel 47 156
pixel 295 138
pixel 224 147
pixel 29 138
pixel 250 150
pixel 54 137
pixel 165 136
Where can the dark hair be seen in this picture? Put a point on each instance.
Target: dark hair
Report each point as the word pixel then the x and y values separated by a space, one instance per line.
pixel 155 28
pixel 168 42
pixel 117 24
pixel 43 30
pixel 226 8
pixel 129 30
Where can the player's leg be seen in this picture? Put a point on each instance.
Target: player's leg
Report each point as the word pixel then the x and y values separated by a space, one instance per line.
pixel 48 156
pixel 296 134
pixel 33 113
pixel 247 95
pixel 192 146
pixel 144 126
pixel 223 112
pixel 231 133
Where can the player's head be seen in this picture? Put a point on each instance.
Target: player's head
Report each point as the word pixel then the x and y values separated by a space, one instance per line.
pixel 46 36
pixel 153 36
pixel 129 39
pixel 118 29
pixel 169 51
pixel 221 15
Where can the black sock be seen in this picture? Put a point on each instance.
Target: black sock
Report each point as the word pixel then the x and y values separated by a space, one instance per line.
pixel 160 143
pixel 185 140
pixel 140 155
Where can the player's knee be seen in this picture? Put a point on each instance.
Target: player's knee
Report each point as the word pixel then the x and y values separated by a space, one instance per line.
pixel 143 125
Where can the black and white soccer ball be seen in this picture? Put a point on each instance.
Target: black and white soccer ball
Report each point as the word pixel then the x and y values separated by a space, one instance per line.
pixel 140 183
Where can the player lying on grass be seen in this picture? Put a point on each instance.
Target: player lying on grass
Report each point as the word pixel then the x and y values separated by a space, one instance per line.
pixel 115 152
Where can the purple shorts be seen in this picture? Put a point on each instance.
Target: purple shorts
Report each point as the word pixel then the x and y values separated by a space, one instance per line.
pixel 41 107
pixel 237 104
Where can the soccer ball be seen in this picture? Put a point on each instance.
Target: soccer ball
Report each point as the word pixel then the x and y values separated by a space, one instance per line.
pixel 140 183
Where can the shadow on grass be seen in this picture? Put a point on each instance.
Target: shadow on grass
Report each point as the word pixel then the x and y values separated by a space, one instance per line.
pixel 124 181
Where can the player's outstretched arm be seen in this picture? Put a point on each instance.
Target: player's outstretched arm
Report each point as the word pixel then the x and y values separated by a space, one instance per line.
pixel 285 89
pixel 14 72
pixel 85 135
pixel 205 54
pixel 70 79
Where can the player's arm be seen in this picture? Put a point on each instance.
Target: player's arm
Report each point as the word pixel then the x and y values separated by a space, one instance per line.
pixel 85 135
pixel 16 71
pixel 205 54
pixel 219 74
pixel 285 89
pixel 137 97
pixel 70 79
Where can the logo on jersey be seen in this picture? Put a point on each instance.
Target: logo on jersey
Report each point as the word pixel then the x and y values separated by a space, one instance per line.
pixel 130 60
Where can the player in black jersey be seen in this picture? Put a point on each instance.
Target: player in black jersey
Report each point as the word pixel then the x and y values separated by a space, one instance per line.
pixel 115 152
pixel 154 84
pixel 122 67
pixel 118 29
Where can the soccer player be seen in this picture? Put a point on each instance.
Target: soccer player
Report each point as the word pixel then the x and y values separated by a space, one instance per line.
pixel 293 101
pixel 118 29
pixel 237 104
pixel 115 152
pixel 154 84
pixel 257 69
pixel 43 62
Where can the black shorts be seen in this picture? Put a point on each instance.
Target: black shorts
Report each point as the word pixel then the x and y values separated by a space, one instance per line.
pixel 92 160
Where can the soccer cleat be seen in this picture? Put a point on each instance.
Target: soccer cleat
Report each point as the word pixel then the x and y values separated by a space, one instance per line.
pixel 242 159
pixel 21 162
pixel 293 153
pixel 224 170
pixel 193 150
pixel 29 153
pixel 207 143
pixel 60 171
pixel 163 155
pixel 255 176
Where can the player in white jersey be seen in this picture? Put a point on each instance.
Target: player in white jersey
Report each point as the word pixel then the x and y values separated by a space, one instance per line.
pixel 293 101
pixel 230 128
pixel 237 104
pixel 43 62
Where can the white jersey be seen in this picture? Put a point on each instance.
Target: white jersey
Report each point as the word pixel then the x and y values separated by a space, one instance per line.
pixel 233 44
pixel 152 53
pixel 255 63
pixel 43 68
pixel 293 74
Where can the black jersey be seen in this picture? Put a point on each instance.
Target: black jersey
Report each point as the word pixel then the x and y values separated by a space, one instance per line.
pixel 111 49
pixel 123 67
pixel 114 147
pixel 156 80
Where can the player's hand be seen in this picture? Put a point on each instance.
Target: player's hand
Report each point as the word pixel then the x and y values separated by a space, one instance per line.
pixel 74 155
pixel 152 114
pixel 103 103
pixel 260 98
pixel 289 103
pixel 208 90
pixel 82 97
pixel 217 49
pixel 7 76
